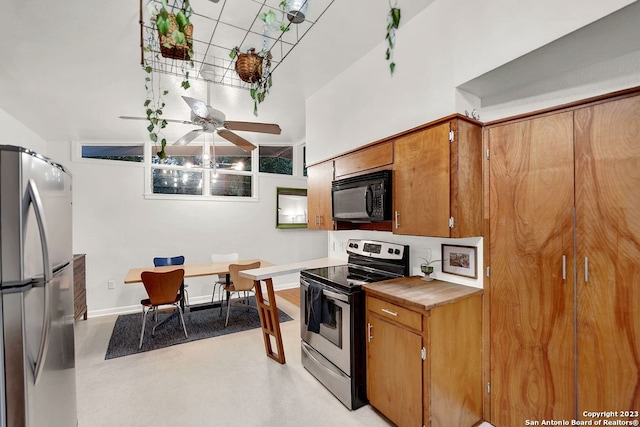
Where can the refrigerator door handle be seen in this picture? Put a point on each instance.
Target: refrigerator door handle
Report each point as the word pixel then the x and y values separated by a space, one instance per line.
pixel 32 196
pixel 38 363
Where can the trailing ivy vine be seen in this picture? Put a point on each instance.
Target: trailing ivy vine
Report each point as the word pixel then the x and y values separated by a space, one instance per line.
pixel 393 22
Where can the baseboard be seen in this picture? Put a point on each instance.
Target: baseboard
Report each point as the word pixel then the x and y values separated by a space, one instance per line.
pixel 193 300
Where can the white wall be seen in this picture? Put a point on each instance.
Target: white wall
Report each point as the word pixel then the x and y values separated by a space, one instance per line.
pixel 449 43
pixel 15 133
pixel 419 247
pixel 119 229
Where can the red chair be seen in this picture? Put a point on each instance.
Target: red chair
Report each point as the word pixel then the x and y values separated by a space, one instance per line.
pixel 163 289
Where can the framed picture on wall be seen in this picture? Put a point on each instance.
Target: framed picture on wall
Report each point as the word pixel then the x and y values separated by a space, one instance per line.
pixel 460 260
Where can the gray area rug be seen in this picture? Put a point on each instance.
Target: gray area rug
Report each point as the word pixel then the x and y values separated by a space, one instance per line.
pixel 201 324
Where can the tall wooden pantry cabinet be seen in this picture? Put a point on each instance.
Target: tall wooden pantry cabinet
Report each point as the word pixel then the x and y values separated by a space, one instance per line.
pixel 563 247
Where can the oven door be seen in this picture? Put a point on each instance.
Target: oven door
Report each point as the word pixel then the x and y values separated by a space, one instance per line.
pixel 334 339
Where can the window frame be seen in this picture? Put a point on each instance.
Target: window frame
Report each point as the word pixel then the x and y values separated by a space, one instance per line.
pixel 147 165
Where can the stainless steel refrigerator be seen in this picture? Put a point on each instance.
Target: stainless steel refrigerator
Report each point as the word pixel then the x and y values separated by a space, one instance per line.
pixel 38 386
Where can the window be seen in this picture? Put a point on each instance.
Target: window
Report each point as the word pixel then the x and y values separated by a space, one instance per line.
pixel 230 157
pixel 177 181
pixel 276 159
pixel 187 155
pixel 202 169
pixel 225 184
pixel 123 153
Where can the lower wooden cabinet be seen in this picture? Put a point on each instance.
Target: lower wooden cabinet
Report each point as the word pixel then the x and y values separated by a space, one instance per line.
pixel 424 353
pixel 394 383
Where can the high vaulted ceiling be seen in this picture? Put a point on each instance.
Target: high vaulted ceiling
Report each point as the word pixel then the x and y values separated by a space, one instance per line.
pixel 70 68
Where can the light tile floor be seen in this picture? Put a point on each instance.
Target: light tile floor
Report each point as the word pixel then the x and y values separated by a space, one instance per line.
pixel 221 381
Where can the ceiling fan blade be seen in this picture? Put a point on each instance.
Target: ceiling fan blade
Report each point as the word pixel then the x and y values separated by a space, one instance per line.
pixel 253 127
pixel 184 122
pixel 189 137
pixel 236 139
pixel 198 107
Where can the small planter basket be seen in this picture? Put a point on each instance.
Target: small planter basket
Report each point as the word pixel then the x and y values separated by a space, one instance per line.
pixel 169 48
pixel 249 66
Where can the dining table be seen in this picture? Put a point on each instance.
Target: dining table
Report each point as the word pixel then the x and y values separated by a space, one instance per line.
pixel 134 275
pixel 267 308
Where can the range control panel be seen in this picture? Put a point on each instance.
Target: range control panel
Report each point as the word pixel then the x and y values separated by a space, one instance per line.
pixel 376 249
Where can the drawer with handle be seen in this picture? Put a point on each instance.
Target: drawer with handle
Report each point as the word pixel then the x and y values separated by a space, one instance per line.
pixel 395 313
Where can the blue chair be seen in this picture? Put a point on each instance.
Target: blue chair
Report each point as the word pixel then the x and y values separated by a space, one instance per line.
pixel 176 260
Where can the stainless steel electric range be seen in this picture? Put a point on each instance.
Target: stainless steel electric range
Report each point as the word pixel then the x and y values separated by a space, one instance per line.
pixel 332 306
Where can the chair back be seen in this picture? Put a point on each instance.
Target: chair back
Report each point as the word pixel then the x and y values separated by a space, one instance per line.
pixel 162 261
pixel 242 283
pixel 162 287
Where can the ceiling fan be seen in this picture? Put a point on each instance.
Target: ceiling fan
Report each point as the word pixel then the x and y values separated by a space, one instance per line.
pixel 212 120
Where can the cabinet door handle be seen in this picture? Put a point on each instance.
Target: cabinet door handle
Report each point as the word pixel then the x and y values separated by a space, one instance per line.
pixel 392 313
pixel 564 267
pixel 586 269
pixel 397 222
pixel 369 336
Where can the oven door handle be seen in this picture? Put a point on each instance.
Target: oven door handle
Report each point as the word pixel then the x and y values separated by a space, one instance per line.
pixel 329 294
pixel 335 295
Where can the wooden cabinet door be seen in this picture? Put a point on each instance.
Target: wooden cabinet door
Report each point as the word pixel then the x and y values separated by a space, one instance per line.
pixel 319 196
pixel 466 180
pixel 394 372
pixel 421 179
pixel 608 236
pixel 531 200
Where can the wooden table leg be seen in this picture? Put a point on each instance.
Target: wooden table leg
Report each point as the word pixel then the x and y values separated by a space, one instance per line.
pixel 269 320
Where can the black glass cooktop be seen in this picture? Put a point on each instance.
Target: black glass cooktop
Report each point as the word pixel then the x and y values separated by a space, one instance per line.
pixel 347 277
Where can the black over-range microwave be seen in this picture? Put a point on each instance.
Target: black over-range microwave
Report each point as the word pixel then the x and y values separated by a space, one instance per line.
pixel 363 198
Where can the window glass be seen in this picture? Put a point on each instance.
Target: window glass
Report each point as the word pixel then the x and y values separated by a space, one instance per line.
pixel 227 184
pixel 177 181
pixel 230 157
pixel 179 155
pixel 124 153
pixel 304 161
pixel 276 159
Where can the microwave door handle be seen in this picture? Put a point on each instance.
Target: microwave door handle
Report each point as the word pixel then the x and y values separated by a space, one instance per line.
pixel 368 201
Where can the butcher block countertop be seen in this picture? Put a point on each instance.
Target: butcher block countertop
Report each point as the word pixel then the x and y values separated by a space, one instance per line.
pixel 413 292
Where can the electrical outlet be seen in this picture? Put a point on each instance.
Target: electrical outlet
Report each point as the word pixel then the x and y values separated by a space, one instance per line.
pixel 111 284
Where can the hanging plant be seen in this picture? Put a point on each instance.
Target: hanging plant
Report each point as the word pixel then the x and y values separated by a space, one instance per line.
pixel 272 22
pixel 154 105
pixel 170 34
pixel 254 67
pixel 175 29
pixel 393 22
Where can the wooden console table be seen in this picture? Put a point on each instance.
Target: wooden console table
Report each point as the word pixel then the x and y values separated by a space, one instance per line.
pixel 79 287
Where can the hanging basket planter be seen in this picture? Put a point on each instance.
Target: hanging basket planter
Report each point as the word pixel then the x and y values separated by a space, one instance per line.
pixel 249 66
pixel 169 47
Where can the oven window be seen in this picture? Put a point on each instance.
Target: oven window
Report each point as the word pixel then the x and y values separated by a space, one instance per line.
pixel 331 322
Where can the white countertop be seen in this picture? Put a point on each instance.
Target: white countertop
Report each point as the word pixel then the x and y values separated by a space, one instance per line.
pixel 279 270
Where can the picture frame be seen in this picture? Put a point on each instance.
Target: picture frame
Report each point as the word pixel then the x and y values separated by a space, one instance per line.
pixel 460 260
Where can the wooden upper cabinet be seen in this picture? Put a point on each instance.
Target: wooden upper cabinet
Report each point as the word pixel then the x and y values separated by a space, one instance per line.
pixel 365 159
pixel 437 180
pixel 319 196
